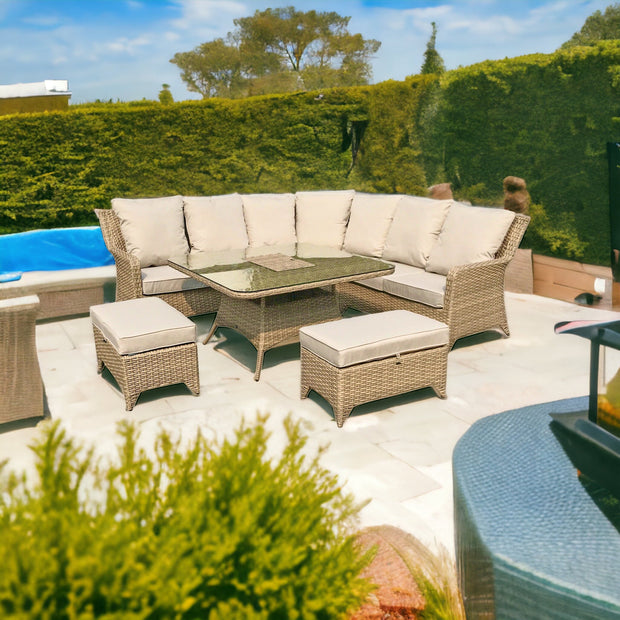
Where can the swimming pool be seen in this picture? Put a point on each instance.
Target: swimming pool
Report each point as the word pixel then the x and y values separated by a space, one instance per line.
pixel 52 250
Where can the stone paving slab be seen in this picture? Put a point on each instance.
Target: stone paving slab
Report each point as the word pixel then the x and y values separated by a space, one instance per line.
pixel 394 453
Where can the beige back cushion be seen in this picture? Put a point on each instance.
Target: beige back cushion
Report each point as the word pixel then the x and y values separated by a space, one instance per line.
pixel 321 217
pixel 269 218
pixel 414 230
pixel 153 228
pixel 215 223
pixel 371 216
pixel 469 235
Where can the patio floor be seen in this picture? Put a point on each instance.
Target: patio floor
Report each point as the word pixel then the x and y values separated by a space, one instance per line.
pixel 395 452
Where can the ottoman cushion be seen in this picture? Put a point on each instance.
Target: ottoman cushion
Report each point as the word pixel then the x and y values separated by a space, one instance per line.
pixel 372 336
pixel 143 324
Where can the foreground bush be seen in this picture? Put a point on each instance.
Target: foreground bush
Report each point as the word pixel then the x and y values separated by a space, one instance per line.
pixel 205 531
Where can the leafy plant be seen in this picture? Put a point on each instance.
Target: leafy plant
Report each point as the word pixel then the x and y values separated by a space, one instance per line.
pixel 217 530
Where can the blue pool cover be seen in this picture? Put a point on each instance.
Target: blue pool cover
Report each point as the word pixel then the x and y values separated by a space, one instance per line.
pixel 52 250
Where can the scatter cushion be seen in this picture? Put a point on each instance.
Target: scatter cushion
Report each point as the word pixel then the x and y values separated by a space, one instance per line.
pixel 371 337
pixel 371 216
pixel 414 230
pixel 215 223
pixel 421 286
pixel 143 324
pixel 378 283
pixel 321 217
pixel 164 279
pixel 269 218
pixel 153 228
pixel 469 235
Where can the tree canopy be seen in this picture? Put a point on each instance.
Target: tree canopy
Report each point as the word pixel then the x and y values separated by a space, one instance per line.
pixel 598 27
pixel 279 50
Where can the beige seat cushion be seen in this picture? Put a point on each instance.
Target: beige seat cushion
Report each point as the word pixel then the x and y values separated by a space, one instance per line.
pixel 269 218
pixel 371 216
pixel 215 223
pixel 372 336
pixel 153 228
pixel 420 286
pixel 377 283
pixel 164 279
pixel 414 230
pixel 321 217
pixel 469 235
pixel 144 324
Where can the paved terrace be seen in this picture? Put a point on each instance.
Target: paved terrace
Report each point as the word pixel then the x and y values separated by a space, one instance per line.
pixel 395 452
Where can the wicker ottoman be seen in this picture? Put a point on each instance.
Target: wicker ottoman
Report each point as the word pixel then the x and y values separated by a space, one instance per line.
pixel 359 359
pixel 145 343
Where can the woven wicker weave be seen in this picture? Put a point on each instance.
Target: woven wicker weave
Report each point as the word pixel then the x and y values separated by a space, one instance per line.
pixel 21 386
pixel 128 274
pixel 345 388
pixel 150 369
pixel 474 296
pixel 274 321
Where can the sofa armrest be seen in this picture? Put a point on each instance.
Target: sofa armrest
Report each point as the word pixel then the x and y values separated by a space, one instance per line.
pixel 128 275
pixel 128 272
pixel 471 284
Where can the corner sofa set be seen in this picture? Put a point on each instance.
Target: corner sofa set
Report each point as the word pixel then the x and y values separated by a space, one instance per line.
pixel 449 258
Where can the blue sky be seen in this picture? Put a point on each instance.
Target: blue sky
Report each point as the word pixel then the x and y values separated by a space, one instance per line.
pixel 120 49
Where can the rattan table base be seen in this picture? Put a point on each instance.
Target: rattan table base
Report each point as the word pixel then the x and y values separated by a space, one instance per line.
pixel 150 369
pixel 345 388
pixel 274 321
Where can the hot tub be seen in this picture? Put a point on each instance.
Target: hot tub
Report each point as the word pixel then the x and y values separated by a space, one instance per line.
pixel 52 250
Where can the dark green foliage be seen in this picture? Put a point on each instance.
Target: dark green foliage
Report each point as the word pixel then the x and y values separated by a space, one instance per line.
pixel 391 153
pixel 545 118
pixel 204 530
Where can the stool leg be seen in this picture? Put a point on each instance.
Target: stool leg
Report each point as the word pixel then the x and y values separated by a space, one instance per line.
pixel 260 354
pixel 211 331
pixel 130 400
pixel 341 414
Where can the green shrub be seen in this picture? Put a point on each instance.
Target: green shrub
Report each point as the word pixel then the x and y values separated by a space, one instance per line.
pixel 552 237
pixel 207 530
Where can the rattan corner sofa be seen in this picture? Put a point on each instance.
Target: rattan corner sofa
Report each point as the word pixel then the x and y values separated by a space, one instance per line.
pixel 450 258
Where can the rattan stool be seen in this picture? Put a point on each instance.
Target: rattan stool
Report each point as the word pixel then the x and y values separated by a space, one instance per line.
pixel 145 343
pixel 363 358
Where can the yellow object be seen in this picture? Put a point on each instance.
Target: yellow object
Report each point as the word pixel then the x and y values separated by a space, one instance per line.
pixel 608 416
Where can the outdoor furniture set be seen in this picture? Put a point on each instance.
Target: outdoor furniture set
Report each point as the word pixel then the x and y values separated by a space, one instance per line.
pixel 277 267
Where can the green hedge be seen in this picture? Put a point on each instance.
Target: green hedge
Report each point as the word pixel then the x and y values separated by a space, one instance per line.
pixel 546 118
pixel 57 167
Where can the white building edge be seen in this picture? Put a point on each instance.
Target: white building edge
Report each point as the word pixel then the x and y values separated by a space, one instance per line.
pixel 35 89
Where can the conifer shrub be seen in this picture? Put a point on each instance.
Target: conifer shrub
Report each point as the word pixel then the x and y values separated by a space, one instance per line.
pixel 199 530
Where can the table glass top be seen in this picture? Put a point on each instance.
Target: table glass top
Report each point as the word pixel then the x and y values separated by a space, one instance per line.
pixel 282 266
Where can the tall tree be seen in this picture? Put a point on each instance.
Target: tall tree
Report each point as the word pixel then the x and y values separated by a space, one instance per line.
pixel 433 62
pixel 279 50
pixel 598 27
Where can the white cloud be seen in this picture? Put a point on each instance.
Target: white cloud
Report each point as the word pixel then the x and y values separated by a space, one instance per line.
pixel 124 45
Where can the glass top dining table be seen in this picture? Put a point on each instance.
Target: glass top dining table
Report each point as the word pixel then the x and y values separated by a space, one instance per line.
pixel 252 273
